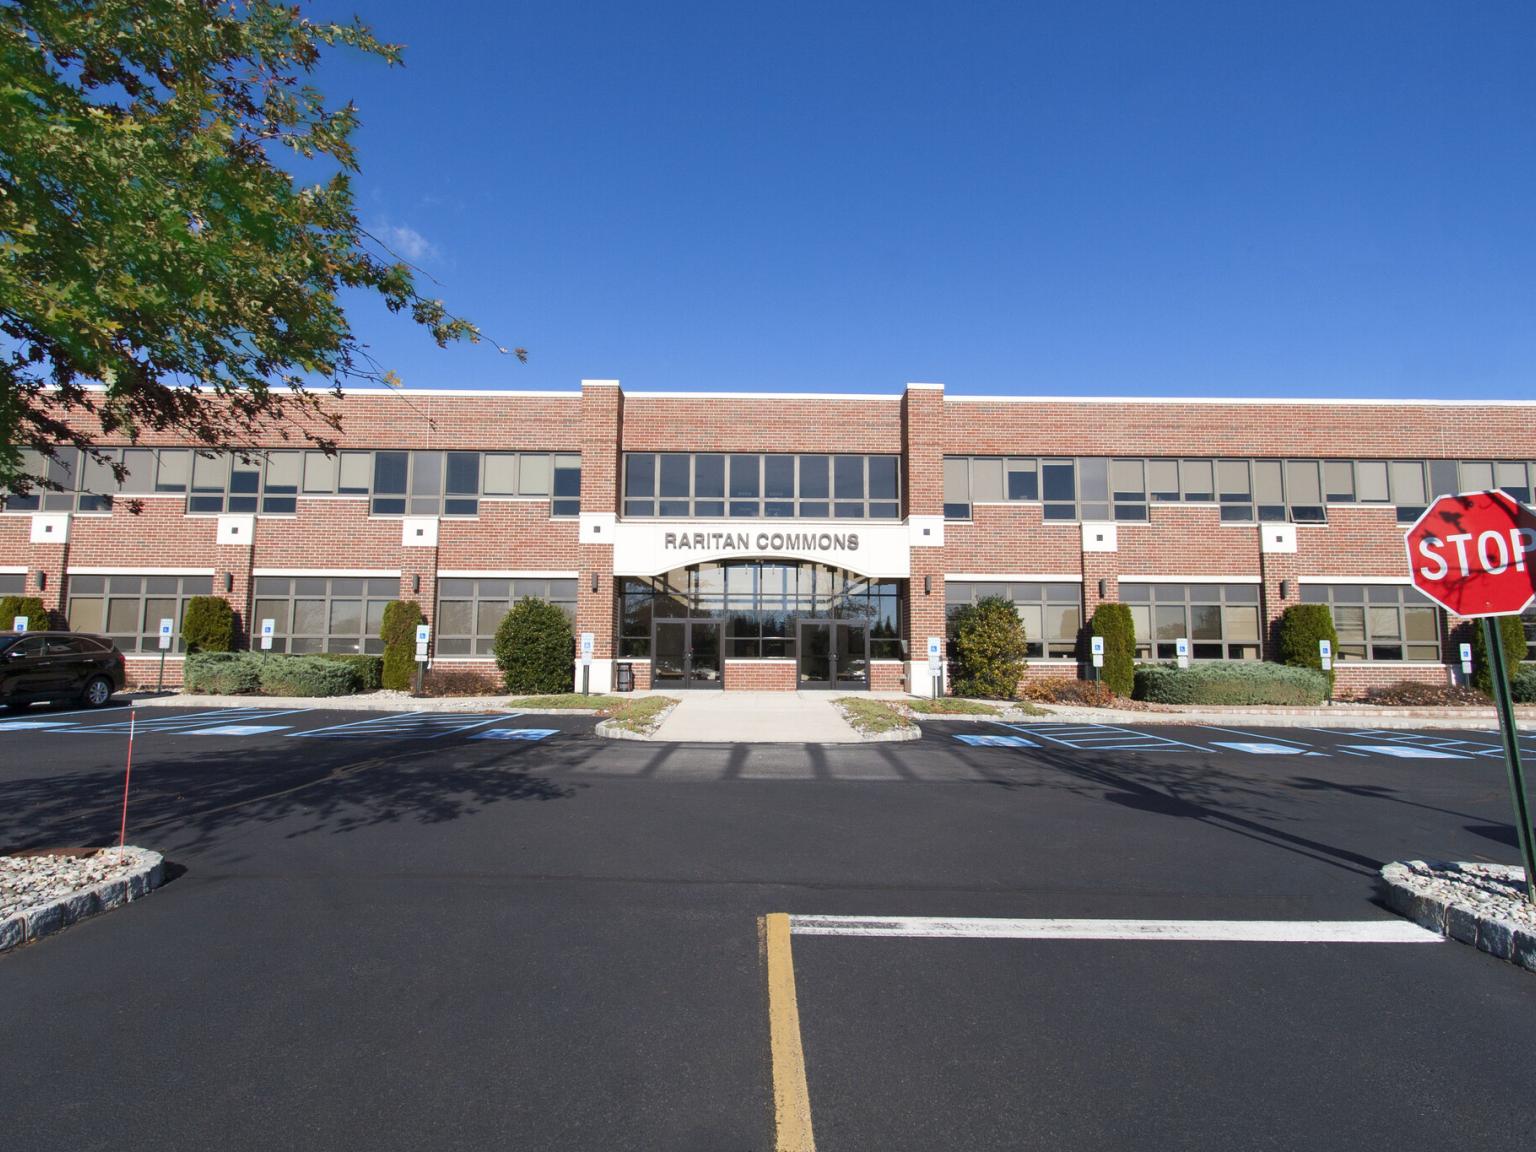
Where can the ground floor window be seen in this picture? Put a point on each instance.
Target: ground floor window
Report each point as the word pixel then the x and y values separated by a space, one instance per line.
pixel 1220 621
pixel 1052 613
pixel 1379 621
pixel 129 608
pixel 759 601
pixel 1528 621
pixel 470 610
pixel 12 584
pixel 323 613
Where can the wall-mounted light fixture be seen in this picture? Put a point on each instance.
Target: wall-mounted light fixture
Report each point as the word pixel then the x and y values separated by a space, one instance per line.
pixel 415 581
pixel 42 579
pixel 927 585
pixel 1285 589
pixel 229 581
pixel 1103 588
pixel 594 580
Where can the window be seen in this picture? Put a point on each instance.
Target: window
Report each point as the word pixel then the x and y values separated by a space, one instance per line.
pixel 323 613
pixel 1052 614
pixel 760 603
pixel 957 488
pixel 1234 490
pixel 1379 621
pixel 129 608
pixel 1527 621
pixel 1220 621
pixel 708 484
pixel 12 584
pixel 470 610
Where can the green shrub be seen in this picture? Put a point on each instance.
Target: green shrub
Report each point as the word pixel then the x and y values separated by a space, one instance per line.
pixel 534 649
pixel 222 673
pixel 38 618
pixel 1297 633
pixel 208 625
pixel 989 649
pixel 1523 685
pixel 1230 682
pixel 368 669
pixel 1114 623
pixel 306 676
pixel 1513 634
pixel 398 631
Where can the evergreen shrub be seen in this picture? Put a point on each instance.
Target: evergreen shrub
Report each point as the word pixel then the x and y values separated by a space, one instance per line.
pixel 1230 682
pixel 221 673
pixel 1297 632
pixel 1522 686
pixel 1113 622
pixel 369 670
pixel 38 617
pixel 398 631
pixel 989 649
pixel 306 676
pixel 534 649
pixel 208 625
pixel 1513 635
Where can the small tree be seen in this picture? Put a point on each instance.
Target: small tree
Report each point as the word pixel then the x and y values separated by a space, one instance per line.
pixel 31 607
pixel 989 650
pixel 398 631
pixel 1513 635
pixel 1297 633
pixel 1113 622
pixel 208 625
pixel 534 649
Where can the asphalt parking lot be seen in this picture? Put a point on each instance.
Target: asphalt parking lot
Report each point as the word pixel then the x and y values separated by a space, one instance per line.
pixel 465 931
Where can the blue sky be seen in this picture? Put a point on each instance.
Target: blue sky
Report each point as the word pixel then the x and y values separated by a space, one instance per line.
pixel 1297 199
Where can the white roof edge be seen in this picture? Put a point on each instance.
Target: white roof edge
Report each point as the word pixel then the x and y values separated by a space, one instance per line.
pixel 886 396
pixel 1293 402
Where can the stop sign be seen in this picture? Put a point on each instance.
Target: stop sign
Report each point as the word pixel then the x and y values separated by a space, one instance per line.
pixel 1475 553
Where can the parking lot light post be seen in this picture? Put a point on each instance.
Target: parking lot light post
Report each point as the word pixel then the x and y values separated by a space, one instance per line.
pixel 1501 696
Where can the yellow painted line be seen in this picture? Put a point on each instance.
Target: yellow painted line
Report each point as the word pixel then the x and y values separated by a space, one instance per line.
pixel 791 1099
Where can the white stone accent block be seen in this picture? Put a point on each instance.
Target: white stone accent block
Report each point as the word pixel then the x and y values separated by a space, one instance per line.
pixel 50 528
pixel 237 529
pixel 418 532
pixel 596 528
pixel 1099 536
pixel 926 531
pixel 1277 537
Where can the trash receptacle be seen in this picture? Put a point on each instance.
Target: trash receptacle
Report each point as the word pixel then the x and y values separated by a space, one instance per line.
pixel 625 678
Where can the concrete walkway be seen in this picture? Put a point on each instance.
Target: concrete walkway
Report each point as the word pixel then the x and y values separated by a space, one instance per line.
pixel 756 718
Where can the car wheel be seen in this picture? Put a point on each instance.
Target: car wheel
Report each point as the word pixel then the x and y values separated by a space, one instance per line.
pixel 98 690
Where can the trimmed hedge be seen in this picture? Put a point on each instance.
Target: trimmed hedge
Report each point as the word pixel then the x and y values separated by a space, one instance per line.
pixel 369 669
pixel 208 625
pixel 398 631
pixel 1522 685
pixel 1512 633
pixel 1113 622
pixel 989 649
pixel 1297 633
pixel 221 673
pixel 1230 682
pixel 535 650
pixel 306 676
pixel 29 606
pixel 251 673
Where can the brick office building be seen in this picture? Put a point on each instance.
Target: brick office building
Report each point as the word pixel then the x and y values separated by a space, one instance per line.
pixel 783 541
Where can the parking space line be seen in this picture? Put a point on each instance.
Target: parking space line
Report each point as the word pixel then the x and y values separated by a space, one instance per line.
pixel 1246 931
pixel 189 722
pixel 79 712
pixel 791 1097
pixel 1097 737
pixel 405 725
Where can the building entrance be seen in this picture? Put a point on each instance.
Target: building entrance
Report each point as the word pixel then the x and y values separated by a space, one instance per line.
pixel 686 654
pixel 833 654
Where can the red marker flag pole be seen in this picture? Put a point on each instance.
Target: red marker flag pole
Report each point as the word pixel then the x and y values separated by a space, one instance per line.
pixel 122 832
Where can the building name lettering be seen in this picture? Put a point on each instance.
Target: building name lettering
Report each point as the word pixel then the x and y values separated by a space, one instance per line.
pixel 764 541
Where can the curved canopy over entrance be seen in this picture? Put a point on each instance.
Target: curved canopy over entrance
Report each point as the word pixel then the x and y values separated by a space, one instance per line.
pixel 831 621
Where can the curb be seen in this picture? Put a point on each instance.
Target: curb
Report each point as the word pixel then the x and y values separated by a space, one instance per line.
pixel 45 919
pixel 1298 719
pixel 1456 919
pixel 611 731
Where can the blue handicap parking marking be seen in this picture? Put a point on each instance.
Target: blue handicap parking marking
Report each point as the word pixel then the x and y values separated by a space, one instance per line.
pixel 515 734
pixel 1404 751
pixel 406 726
pixel 240 730
pixel 188 722
pixel 996 741
pixel 1101 737
pixel 1259 748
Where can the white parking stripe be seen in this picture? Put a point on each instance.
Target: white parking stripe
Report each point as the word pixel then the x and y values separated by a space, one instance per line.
pixel 1248 931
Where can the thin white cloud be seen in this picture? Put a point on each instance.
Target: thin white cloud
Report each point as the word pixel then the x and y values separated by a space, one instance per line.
pixel 406 242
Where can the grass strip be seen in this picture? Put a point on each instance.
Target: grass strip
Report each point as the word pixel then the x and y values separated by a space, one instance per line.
pixel 871 717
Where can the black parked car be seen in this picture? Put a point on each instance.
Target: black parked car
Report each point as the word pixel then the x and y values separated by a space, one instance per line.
pixel 58 666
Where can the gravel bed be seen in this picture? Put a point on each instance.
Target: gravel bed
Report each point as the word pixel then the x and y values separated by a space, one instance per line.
pixel 1479 904
pixel 27 882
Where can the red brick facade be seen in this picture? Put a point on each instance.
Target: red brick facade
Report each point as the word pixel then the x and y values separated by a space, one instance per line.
pixel 337 534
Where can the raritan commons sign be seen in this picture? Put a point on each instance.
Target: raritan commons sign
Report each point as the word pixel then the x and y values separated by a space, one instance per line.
pixel 761 541
pixel 648 548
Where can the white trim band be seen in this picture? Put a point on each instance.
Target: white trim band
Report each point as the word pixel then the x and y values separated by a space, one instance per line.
pixel 1015 577
pixel 1127 578
pixel 395 572
pixel 94 570
pixel 506 574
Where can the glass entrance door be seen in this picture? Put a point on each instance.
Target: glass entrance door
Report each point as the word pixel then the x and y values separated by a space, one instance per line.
pixel 833 654
pixel 686 654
